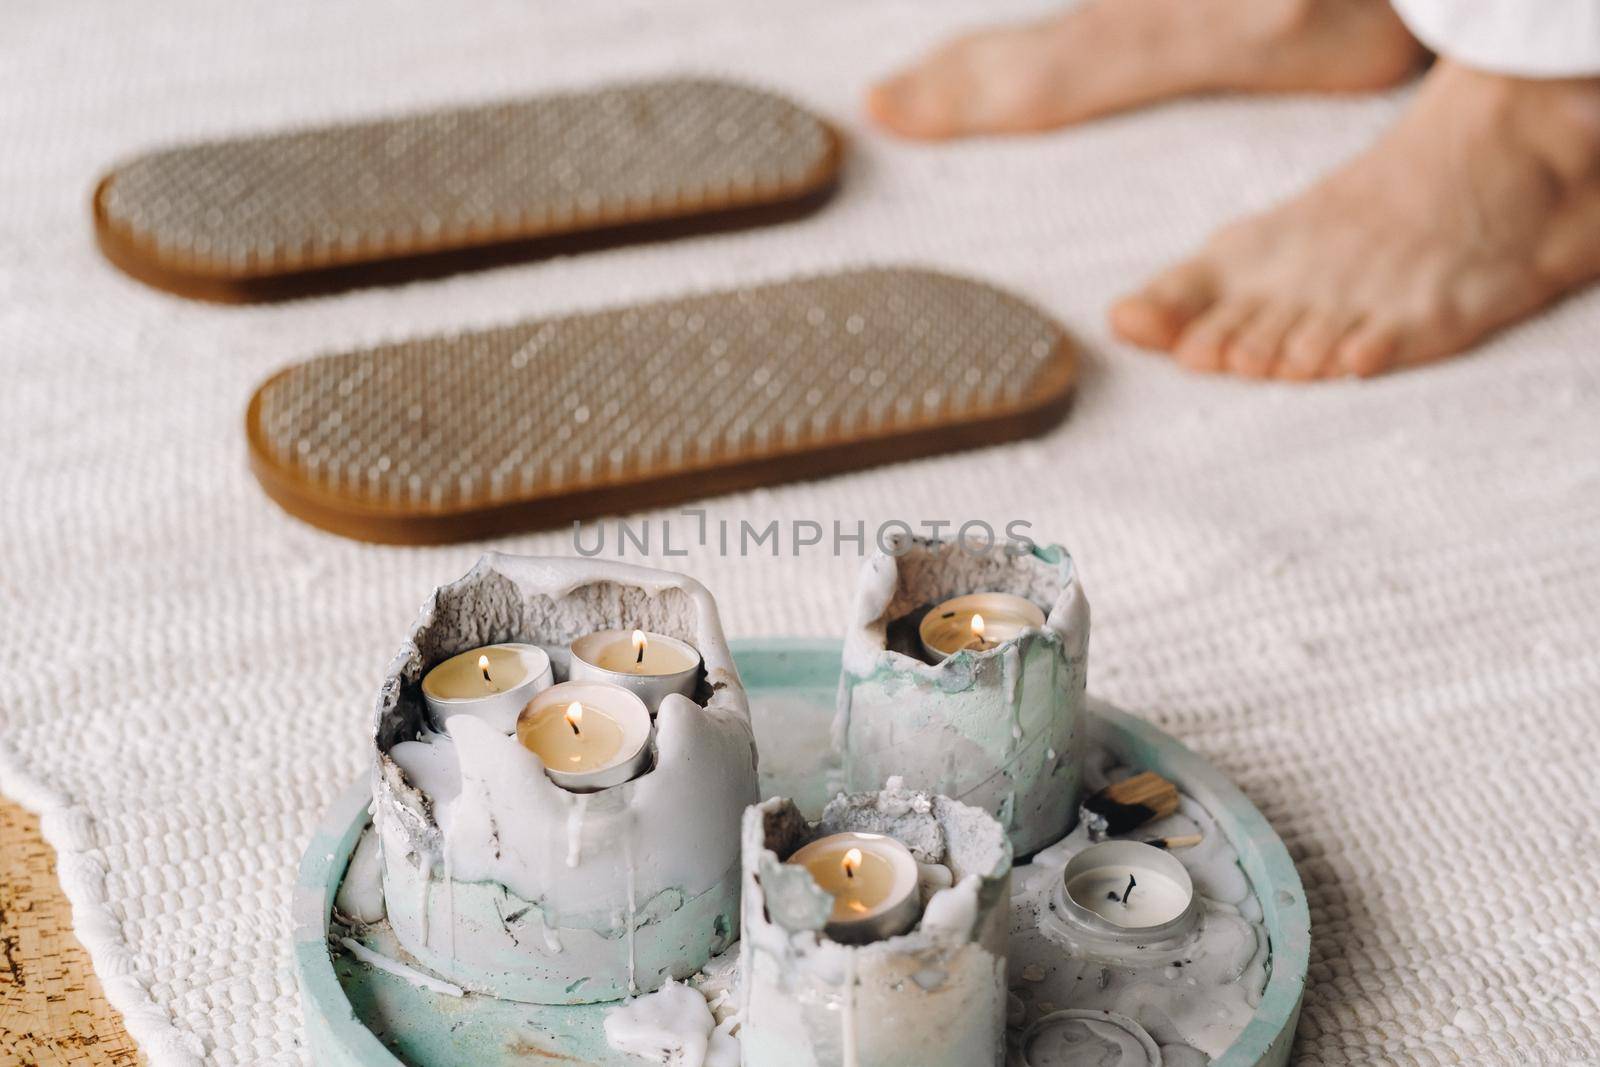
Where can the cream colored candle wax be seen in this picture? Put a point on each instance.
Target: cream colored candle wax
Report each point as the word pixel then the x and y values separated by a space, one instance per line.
pixel 590 735
pixel 572 739
pixel 494 683
pixel 873 880
pixel 649 664
pixel 1128 887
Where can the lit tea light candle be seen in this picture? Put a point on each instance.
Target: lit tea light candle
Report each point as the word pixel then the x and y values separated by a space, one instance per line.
pixel 590 735
pixel 651 665
pixel 493 683
pixel 873 881
pixel 1128 889
pixel 977 622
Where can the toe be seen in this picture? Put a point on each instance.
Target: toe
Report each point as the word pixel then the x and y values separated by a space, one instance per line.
pixel 1309 349
pixel 1254 348
pixel 1371 348
pixel 1156 316
pixel 913 104
pixel 1203 345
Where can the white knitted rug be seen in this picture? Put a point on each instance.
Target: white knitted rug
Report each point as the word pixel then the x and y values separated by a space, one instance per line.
pixel 1375 605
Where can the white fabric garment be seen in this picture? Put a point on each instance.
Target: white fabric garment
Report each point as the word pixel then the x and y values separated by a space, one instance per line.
pixel 1529 38
pixel 1372 604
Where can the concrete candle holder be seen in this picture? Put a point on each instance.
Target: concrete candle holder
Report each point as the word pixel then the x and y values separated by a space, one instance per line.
pixel 1228 993
pixel 504 883
pixel 1001 729
pixel 935 996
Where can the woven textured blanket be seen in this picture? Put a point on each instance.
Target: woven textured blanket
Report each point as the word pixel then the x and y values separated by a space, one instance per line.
pixel 1376 605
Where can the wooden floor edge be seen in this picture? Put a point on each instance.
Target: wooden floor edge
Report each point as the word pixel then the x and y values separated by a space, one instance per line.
pixel 52 1007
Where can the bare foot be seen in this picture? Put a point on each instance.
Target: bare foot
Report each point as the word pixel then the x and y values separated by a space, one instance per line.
pixel 1481 205
pixel 1102 56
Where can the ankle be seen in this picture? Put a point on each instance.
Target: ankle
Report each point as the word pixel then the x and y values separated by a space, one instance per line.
pixel 1278 20
pixel 1560 118
pixel 1557 119
pixel 1359 45
pixel 1577 102
pixel 1281 20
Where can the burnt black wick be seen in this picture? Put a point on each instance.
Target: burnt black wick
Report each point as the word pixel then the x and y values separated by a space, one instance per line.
pixel 1128 892
pixel 575 731
pixel 640 657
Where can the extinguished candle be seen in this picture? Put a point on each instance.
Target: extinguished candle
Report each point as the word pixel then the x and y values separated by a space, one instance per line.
pixel 649 664
pixel 977 622
pixel 1128 887
pixel 873 880
pixel 494 683
pixel 1078 1037
pixel 590 735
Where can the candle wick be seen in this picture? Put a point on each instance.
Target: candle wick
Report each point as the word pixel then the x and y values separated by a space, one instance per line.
pixel 1128 892
pixel 640 657
pixel 575 731
pixel 849 871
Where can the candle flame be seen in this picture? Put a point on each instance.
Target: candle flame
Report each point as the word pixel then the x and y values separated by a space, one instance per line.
pixel 851 862
pixel 575 716
pixel 483 666
pixel 977 627
pixel 640 643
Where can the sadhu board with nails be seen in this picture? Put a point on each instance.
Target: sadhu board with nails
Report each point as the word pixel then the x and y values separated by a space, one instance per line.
pixel 545 422
pixel 286 214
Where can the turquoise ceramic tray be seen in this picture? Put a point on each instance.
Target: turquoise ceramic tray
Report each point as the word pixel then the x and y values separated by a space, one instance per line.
pixel 359 1017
